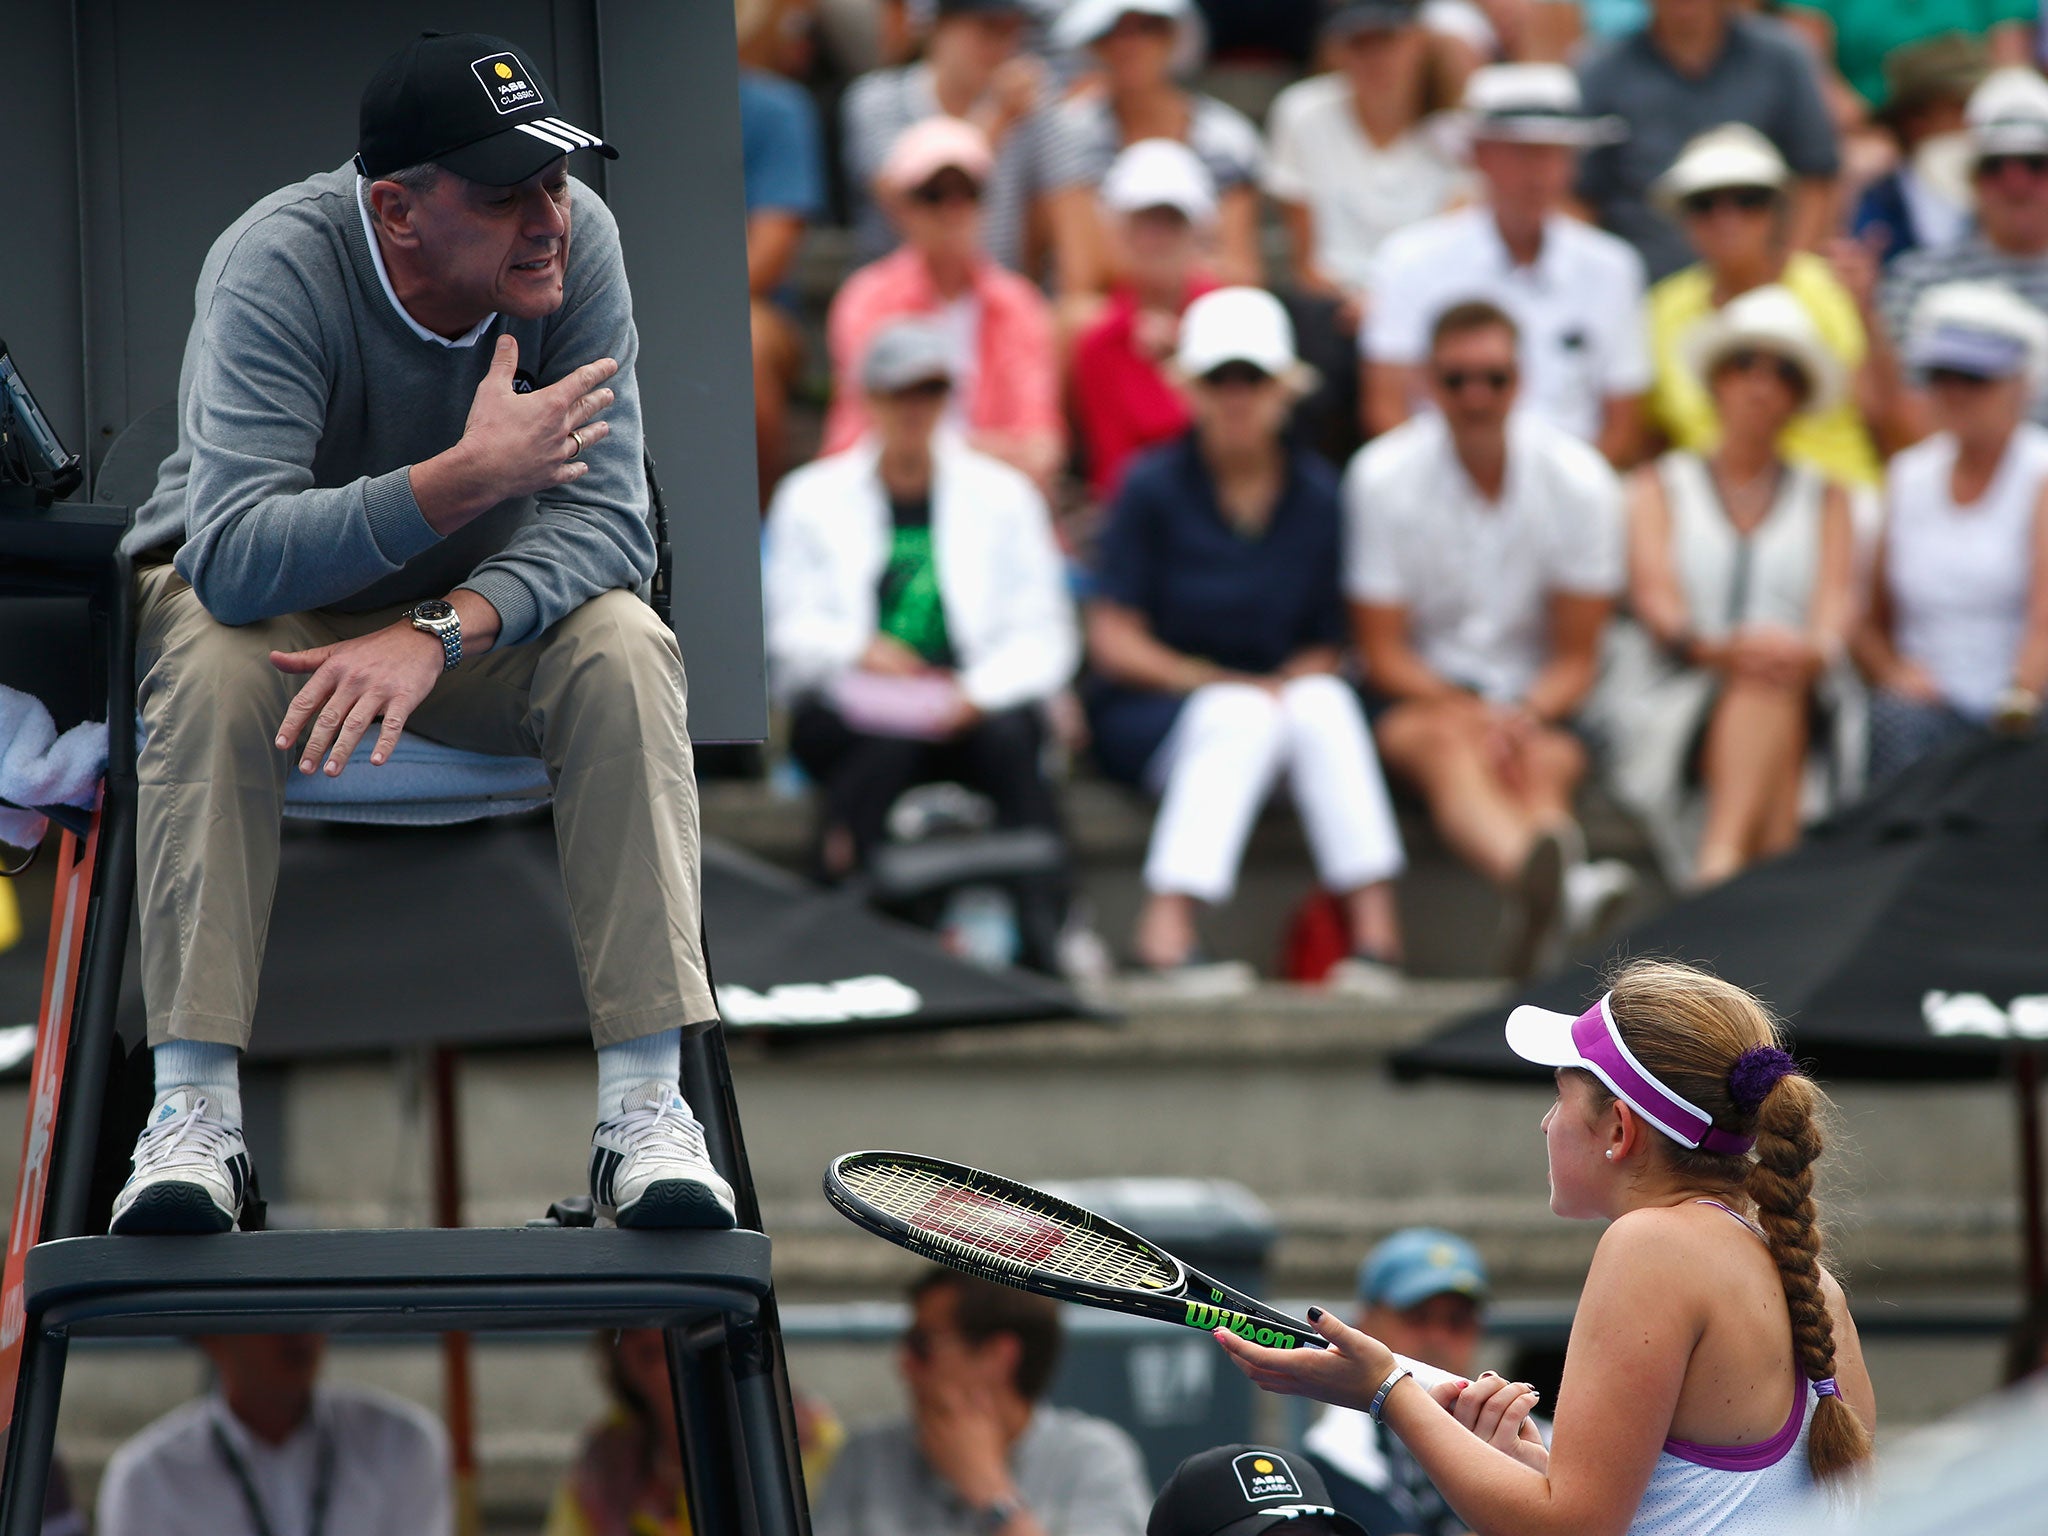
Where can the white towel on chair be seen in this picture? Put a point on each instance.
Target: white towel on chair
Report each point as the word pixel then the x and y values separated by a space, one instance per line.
pixel 39 767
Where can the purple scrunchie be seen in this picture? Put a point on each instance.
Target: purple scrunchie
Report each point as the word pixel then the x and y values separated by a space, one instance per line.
pixel 1755 1074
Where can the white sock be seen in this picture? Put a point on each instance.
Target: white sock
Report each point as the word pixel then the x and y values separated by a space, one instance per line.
pixel 215 1070
pixel 621 1068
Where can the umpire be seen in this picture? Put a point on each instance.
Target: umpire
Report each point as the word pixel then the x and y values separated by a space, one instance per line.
pixel 408 487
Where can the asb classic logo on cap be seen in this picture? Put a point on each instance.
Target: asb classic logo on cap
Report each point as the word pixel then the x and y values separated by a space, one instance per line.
pixel 503 77
pixel 1263 1475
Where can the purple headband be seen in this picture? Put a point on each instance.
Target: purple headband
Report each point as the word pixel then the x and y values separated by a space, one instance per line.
pixel 1598 1041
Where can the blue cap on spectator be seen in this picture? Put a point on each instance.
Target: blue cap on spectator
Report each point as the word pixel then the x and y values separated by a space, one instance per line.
pixel 1417 1263
pixel 1349 16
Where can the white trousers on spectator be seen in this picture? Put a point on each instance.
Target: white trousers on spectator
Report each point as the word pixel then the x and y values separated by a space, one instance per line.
pixel 1231 746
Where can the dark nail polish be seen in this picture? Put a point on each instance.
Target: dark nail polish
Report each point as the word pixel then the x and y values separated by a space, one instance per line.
pixel 1315 1314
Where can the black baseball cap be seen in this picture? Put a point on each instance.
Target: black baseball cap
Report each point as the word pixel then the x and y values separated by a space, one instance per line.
pixel 467 101
pixel 1237 1490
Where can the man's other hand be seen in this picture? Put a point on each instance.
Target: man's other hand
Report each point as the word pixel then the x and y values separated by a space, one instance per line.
pixel 514 444
pixel 386 672
pixel 959 1430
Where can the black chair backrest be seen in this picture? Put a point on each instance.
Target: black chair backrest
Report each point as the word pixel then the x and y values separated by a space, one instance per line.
pixel 127 476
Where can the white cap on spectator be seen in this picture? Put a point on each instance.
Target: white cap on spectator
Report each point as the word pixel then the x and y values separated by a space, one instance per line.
pixel 2008 113
pixel 1160 173
pixel 1767 319
pixel 1732 155
pixel 1534 104
pixel 1983 329
pixel 1083 22
pixel 933 145
pixel 1237 325
pixel 903 353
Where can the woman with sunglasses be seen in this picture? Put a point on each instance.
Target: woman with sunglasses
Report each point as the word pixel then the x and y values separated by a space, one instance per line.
pixel 1741 582
pixel 1138 47
pixel 1714 1375
pixel 1955 638
pixel 1006 389
pixel 1215 639
pixel 1729 191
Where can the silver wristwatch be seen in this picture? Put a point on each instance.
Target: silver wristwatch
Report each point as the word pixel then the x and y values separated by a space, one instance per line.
pixel 437 617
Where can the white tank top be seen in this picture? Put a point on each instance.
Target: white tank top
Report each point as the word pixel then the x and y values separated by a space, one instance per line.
pixel 1764 1489
pixel 1958 577
pixel 1733 580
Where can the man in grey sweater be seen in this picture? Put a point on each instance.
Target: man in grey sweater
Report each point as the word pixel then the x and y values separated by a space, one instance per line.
pixel 408 487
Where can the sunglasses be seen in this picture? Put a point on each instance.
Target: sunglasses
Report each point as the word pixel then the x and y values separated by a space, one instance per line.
pixel 1957 378
pixel 940 191
pixel 1991 166
pixel 923 390
pixel 1748 199
pixel 1749 359
pixel 1236 376
pixel 1455 380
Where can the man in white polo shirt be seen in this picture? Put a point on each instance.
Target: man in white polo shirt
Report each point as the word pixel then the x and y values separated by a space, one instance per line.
pixel 1483 554
pixel 1574 292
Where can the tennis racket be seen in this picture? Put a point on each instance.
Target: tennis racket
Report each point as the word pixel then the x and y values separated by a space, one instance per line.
pixel 987 1225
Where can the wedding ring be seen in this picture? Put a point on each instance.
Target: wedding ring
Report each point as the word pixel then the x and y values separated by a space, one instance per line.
pixel 578 449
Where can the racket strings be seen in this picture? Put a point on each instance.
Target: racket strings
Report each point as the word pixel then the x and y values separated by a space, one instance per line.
pixel 1010 1227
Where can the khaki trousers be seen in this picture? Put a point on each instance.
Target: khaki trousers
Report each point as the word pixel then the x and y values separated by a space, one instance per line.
pixel 599 697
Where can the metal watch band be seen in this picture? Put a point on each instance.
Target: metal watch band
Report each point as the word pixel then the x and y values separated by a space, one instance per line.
pixel 1379 1398
pixel 448 631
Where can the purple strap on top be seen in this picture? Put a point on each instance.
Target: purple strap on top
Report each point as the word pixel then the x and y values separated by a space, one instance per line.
pixel 1600 1046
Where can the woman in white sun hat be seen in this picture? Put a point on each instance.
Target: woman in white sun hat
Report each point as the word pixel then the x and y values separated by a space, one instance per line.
pixel 1216 642
pixel 1138 48
pixel 1741 583
pixel 1714 1374
pixel 1730 192
pixel 1955 636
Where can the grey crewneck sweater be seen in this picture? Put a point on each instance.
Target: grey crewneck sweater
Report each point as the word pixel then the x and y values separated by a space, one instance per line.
pixel 304 400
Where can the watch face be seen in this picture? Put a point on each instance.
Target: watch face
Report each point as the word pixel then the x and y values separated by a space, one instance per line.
pixel 434 609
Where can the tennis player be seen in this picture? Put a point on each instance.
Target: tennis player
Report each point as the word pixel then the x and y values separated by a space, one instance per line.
pixel 1714 1373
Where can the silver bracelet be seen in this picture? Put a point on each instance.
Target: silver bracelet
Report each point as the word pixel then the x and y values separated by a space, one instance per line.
pixel 1379 1398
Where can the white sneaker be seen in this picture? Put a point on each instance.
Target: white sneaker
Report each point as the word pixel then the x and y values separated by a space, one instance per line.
pixel 1593 896
pixel 649 1167
pixel 1368 980
pixel 191 1170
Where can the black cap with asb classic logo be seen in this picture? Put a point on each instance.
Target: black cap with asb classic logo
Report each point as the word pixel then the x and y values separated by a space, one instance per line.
pixel 467 101
pixel 1238 1490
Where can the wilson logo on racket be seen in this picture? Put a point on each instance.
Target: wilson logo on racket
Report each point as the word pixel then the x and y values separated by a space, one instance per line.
pixel 1209 1318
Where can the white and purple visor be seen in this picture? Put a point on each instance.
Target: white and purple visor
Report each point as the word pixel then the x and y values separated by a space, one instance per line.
pixel 1593 1042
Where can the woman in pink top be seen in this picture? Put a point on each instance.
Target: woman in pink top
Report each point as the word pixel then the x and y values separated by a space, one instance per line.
pixel 1714 1373
pixel 1007 394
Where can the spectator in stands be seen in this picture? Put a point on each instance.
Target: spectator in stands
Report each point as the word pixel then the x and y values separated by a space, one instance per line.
pixel 2008 120
pixel 1423 1292
pixel 1741 574
pixel 1483 555
pixel 627 1479
pixel 1216 638
pixel 982 1454
pixel 1355 155
pixel 785 180
pixel 1697 65
pixel 1162 207
pixel 1248 1490
pixel 918 620
pixel 1005 391
pixel 1138 46
pixel 1858 39
pixel 1576 295
pixel 1728 192
pixel 271 1448
pixel 975 67
pixel 1955 639
pixel 1923 200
